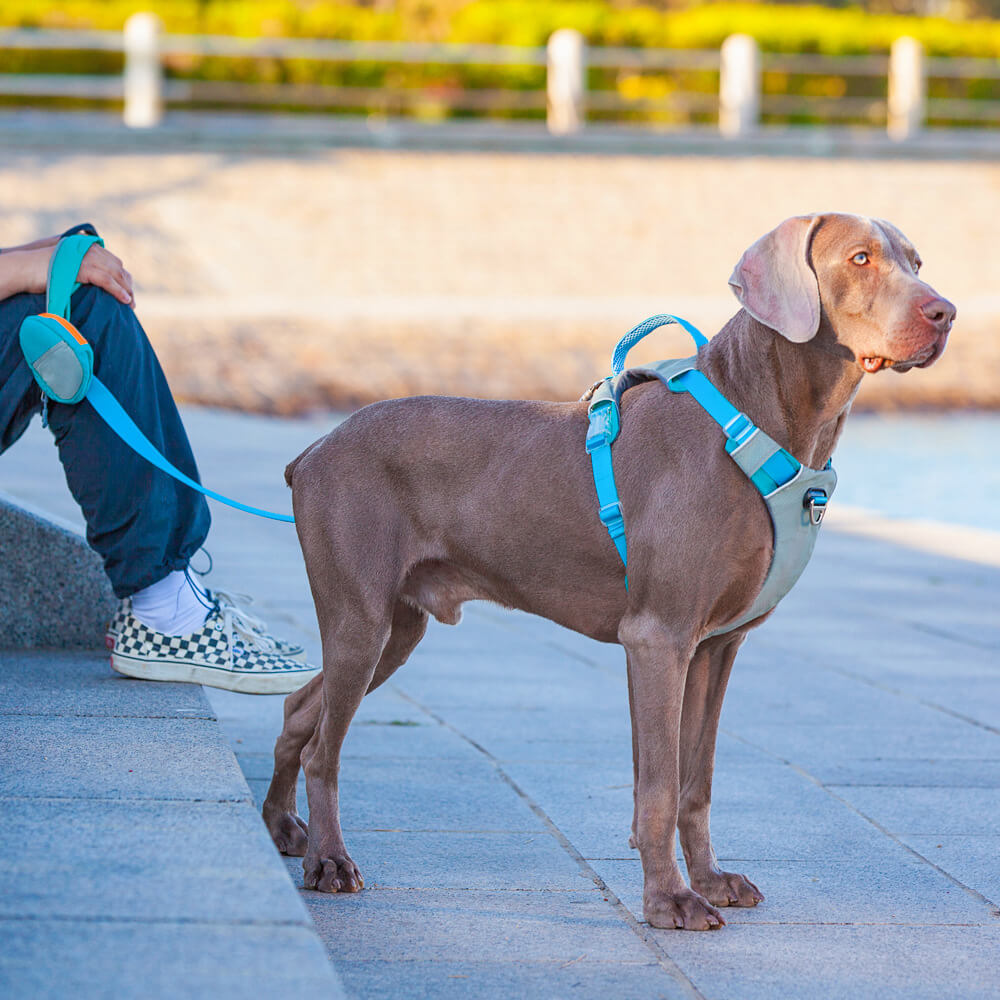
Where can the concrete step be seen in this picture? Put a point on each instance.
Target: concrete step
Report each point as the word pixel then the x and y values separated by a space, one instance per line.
pixel 140 866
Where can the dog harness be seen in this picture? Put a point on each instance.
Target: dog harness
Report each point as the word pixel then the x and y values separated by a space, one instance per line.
pixel 796 496
pixel 62 362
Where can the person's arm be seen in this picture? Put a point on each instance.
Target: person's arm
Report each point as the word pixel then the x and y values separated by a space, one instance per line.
pixel 49 241
pixel 26 269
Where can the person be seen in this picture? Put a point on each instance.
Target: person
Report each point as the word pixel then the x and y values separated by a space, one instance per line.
pixel 145 525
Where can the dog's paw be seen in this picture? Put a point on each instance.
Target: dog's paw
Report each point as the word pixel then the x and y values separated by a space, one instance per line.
pixel 681 910
pixel 332 874
pixel 727 889
pixel 289 833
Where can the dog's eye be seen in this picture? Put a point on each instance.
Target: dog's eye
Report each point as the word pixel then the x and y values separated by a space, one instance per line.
pixel 917 264
pixel 860 259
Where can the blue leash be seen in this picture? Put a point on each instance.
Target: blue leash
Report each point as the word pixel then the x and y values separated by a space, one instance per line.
pixel 62 363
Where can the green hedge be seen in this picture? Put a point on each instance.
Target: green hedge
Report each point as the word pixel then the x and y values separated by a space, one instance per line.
pixel 779 29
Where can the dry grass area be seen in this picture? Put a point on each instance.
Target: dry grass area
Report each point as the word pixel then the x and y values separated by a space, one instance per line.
pixel 285 284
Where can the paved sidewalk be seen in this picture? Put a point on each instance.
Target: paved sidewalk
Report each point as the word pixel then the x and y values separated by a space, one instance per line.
pixel 134 863
pixel 487 788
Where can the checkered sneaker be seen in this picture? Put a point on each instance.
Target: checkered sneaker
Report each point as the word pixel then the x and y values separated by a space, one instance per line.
pixel 283 647
pixel 226 652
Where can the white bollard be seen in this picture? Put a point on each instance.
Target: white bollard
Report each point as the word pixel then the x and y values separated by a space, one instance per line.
pixel 739 86
pixel 566 84
pixel 907 89
pixel 143 78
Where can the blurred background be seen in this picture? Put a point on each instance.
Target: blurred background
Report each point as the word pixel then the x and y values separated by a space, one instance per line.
pixel 326 203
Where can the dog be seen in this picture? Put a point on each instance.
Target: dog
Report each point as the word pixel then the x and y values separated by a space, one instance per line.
pixel 413 506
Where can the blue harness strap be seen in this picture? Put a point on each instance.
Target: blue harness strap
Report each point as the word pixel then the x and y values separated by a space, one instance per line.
pixel 776 470
pixel 604 427
pixel 768 466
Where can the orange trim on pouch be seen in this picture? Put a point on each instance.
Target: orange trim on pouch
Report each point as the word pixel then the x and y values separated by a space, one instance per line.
pixel 70 329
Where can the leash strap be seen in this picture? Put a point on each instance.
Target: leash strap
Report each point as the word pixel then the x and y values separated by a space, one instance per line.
pixel 112 413
pixel 61 361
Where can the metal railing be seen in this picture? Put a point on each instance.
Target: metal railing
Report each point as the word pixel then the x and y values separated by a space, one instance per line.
pixel 750 87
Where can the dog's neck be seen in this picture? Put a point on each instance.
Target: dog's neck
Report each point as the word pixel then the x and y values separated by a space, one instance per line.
pixel 799 394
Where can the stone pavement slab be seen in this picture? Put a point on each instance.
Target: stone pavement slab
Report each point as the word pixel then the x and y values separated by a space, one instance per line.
pixel 135 864
pixel 161 960
pixel 487 786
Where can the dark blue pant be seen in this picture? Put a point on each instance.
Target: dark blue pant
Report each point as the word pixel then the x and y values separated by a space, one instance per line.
pixel 143 523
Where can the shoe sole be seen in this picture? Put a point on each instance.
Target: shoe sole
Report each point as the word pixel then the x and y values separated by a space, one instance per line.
pixel 243 682
pixel 110 638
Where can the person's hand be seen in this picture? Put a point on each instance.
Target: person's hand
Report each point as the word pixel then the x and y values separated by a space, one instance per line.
pixel 102 268
pixel 27 270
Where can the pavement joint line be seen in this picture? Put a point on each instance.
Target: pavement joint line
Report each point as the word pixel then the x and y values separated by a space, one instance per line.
pixel 896 784
pixel 943 709
pixel 156 921
pixel 118 798
pixel 104 715
pixel 951 636
pixel 471 833
pixel 478 890
pixel 898 692
pixel 885 831
pixel 496 961
pixel 643 931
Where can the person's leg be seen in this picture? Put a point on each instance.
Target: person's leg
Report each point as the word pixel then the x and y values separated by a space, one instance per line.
pixel 20 397
pixel 144 523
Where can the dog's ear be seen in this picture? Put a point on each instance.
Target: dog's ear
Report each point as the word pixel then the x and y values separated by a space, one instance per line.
pixel 775 282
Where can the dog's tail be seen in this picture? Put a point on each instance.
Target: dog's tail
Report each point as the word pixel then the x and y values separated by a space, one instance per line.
pixel 290 468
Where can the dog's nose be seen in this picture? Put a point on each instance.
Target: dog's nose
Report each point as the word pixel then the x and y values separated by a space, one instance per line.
pixel 939 312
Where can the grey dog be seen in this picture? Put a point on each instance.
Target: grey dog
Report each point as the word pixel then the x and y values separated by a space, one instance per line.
pixel 413 506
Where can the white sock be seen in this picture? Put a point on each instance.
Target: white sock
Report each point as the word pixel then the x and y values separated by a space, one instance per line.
pixel 170 605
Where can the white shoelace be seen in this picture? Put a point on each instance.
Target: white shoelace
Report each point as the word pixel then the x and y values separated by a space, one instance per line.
pixel 250 630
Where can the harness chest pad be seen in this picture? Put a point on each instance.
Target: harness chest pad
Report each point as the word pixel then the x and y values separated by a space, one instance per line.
pixel 58 355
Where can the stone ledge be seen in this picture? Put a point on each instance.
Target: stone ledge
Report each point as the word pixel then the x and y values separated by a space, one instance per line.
pixel 53 591
pixel 160 879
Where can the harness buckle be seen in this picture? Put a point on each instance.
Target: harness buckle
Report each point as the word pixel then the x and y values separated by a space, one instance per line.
pixel 604 425
pixel 815 501
pixel 612 518
pixel 738 427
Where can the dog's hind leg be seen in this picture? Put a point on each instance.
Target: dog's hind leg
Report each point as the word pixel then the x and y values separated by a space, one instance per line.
pixel 302 713
pixel 409 623
pixel 302 710
pixel 704 689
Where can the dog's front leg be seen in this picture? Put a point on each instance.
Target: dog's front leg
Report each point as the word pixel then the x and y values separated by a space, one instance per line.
pixel 704 690
pixel 658 663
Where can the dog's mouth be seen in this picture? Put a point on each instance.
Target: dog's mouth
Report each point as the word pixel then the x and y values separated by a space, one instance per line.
pixel 922 359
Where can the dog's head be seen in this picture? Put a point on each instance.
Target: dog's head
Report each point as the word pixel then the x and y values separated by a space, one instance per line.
pixel 857 279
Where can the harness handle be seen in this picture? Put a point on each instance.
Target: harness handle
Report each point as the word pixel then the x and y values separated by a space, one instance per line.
pixel 645 328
